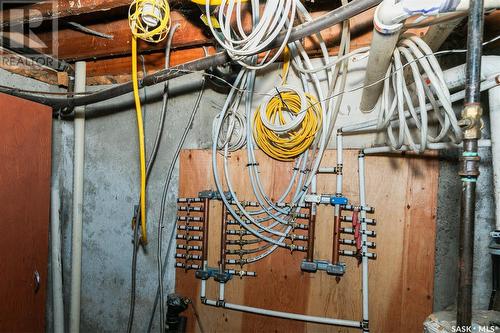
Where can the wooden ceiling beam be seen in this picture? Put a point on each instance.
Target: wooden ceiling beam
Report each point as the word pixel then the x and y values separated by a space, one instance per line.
pixel 20 65
pixel 74 45
pixel 56 9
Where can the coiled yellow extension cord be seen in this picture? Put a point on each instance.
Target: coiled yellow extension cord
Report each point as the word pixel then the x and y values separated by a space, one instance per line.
pixel 290 144
pixel 285 144
pixel 149 20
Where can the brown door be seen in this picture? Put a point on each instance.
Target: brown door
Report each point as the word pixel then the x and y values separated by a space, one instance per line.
pixel 25 169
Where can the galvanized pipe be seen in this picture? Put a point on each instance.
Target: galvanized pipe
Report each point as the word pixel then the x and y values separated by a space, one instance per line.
pixel 471 120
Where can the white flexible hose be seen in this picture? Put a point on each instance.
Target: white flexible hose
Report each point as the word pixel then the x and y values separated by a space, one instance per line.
pixel 241 46
pixel 427 83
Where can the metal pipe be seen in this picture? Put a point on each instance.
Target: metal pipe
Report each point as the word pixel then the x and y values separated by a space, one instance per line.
pixel 474 51
pixel 188 84
pixel 310 233
pixel 336 238
pixel 325 21
pixel 471 120
pixel 466 252
pixel 204 250
pixel 206 212
pixel 78 169
pixel 222 263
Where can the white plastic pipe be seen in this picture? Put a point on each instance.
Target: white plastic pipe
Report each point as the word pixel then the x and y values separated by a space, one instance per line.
pixel 339 162
pixel 371 125
pixel 455 77
pixel 430 145
pixel 494 99
pixel 364 237
pixel 55 236
pixel 203 291
pixel 288 315
pixel 78 166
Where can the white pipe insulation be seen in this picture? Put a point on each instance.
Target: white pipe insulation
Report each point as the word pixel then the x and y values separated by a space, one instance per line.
pixel 78 167
pixel 387 23
pixel 494 101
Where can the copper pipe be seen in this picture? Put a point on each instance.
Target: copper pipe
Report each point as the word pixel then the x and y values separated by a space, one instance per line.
pixel 206 212
pixel 336 237
pixel 310 234
pixel 222 263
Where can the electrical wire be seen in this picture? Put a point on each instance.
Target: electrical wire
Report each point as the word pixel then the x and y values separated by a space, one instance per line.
pixel 280 129
pixel 133 278
pixel 149 167
pixel 149 20
pixel 142 148
pixel 89 31
pixel 162 265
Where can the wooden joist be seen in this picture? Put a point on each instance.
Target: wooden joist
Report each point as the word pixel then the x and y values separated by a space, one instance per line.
pixel 56 9
pixel 23 66
pixel 74 45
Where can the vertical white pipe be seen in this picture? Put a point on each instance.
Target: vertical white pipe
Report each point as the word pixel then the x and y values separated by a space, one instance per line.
pixel 339 171
pixel 494 99
pixel 340 161
pixel 364 238
pixel 76 248
pixel 314 185
pixel 382 47
pixel 221 291
pixel 55 236
pixel 203 291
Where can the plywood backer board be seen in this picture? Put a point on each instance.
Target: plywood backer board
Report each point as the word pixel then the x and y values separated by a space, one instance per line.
pixel 403 192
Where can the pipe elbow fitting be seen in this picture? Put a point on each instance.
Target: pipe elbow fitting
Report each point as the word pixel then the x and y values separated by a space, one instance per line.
pixel 386 18
pixel 390 14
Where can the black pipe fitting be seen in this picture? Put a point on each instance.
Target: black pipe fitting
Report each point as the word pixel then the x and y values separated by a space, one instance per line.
pixel 176 304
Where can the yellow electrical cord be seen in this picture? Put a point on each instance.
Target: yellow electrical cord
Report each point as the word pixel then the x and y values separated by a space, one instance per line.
pixel 211 2
pixel 287 56
pixel 287 146
pixel 142 149
pixel 149 20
